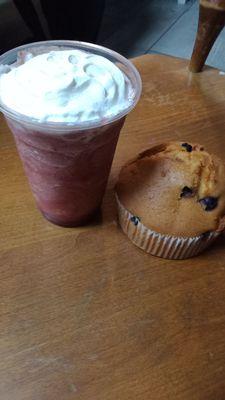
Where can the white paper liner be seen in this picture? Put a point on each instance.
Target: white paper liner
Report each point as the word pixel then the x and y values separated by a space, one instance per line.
pixel 164 246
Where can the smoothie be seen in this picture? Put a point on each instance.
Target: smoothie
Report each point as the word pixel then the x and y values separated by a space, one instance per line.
pixel 66 108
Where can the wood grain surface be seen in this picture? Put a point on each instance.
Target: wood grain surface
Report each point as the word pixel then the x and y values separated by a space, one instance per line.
pixel 84 314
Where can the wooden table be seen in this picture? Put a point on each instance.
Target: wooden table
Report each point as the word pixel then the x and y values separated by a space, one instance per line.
pixel 86 315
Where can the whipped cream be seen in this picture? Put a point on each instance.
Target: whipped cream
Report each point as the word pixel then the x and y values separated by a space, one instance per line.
pixel 65 86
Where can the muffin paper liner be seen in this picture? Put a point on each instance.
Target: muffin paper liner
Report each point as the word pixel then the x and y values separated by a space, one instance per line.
pixel 159 245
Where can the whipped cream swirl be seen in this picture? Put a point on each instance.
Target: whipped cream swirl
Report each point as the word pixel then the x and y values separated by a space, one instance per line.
pixel 66 86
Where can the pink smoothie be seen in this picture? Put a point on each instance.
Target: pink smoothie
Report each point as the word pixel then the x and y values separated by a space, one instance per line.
pixel 67 172
pixel 65 103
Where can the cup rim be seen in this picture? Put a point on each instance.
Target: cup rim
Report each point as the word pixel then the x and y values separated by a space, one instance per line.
pixel 62 126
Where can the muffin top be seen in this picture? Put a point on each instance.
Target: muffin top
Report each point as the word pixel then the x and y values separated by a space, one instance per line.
pixel 176 189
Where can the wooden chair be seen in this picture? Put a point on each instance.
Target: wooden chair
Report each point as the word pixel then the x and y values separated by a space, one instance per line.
pixel 211 22
pixel 84 314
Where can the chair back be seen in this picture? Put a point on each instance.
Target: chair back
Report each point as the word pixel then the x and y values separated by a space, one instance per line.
pixel 211 22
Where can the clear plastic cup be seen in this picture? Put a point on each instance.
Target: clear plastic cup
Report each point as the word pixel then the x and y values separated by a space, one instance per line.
pixel 68 164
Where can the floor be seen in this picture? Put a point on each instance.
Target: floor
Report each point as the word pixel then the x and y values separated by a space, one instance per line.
pixel 131 27
pixel 155 26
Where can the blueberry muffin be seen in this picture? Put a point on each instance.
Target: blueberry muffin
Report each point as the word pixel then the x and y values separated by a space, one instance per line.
pixel 171 199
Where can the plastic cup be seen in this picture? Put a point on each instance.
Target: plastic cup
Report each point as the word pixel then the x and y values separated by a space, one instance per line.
pixel 68 164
